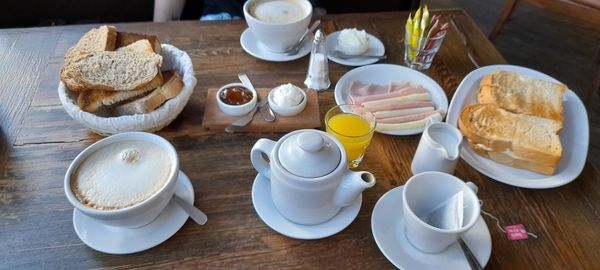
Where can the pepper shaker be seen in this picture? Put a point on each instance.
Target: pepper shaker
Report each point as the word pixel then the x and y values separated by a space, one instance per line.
pixel 317 77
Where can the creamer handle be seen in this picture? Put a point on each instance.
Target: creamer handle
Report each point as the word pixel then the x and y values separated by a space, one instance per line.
pixel 260 148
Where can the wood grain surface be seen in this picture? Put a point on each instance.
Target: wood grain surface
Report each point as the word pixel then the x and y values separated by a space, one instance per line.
pixel 36 229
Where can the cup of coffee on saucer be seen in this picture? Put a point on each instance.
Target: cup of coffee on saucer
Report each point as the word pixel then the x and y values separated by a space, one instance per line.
pixel 125 180
pixel 438 208
pixel 277 24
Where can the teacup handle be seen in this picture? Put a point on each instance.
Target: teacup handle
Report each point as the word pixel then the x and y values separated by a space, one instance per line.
pixel 260 148
pixel 472 186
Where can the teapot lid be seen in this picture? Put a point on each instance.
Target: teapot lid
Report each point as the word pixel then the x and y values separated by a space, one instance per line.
pixel 309 154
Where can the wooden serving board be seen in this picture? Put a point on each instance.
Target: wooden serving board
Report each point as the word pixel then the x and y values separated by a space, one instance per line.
pixel 216 120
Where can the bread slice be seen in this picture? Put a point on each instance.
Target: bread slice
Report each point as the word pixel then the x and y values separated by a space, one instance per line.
pixel 103 38
pixel 508 158
pixel 113 71
pixel 91 101
pixel 142 45
pixel 171 88
pixel 124 39
pixel 529 137
pixel 522 94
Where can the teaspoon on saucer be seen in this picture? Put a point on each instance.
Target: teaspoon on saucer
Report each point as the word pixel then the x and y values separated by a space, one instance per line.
pixel 196 214
pixel 343 55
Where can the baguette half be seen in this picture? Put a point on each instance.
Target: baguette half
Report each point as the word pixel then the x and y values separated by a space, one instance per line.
pixel 508 158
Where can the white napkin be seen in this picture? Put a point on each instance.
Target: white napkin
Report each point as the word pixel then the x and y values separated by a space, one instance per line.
pixel 448 214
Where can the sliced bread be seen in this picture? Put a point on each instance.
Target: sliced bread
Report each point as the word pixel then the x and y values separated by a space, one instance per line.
pixel 529 137
pixel 522 94
pixel 113 71
pixel 91 101
pixel 98 39
pixel 171 88
pixel 124 39
pixel 142 45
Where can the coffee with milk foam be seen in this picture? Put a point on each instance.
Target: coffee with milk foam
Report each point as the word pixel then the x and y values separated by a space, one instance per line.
pixel 121 175
pixel 278 11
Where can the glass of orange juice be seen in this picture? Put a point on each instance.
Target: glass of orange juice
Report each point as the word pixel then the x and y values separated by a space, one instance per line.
pixel 353 126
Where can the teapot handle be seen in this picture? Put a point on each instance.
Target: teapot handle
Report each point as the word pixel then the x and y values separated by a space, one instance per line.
pixel 260 148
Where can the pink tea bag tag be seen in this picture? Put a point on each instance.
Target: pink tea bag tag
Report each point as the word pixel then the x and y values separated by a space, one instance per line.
pixel 516 232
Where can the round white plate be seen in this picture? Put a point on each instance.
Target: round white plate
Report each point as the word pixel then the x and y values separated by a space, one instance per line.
pixel 263 204
pixel 389 231
pixel 383 74
pixel 574 136
pixel 118 240
pixel 253 47
pixel 376 47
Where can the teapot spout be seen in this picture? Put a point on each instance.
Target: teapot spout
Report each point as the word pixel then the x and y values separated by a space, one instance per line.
pixel 352 185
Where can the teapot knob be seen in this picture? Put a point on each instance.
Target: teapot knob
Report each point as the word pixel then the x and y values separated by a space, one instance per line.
pixel 310 141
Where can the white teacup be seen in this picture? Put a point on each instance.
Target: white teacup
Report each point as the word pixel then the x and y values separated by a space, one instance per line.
pixel 138 214
pixel 272 28
pixel 422 193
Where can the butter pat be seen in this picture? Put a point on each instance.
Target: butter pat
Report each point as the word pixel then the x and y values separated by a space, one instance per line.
pixel 287 95
pixel 353 41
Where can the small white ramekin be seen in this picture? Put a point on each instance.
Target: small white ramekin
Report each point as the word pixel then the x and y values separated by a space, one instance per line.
pixel 236 110
pixel 286 110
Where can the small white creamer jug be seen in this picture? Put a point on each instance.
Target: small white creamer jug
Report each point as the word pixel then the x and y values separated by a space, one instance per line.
pixel 439 148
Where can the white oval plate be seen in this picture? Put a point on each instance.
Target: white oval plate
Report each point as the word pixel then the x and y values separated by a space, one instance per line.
pixel 574 136
pixel 383 74
pixel 376 47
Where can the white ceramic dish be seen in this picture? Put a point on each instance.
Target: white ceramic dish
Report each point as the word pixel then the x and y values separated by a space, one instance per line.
pixel 118 240
pixel 263 204
pixel 173 58
pixel 287 111
pixel 236 110
pixel 383 74
pixel 389 231
pixel 376 47
pixel 251 45
pixel 574 136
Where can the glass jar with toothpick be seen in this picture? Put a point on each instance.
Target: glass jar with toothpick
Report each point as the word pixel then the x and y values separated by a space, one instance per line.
pixel 423 37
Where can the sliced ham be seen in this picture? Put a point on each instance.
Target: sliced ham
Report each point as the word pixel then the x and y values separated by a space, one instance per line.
pixel 402 112
pixel 401 105
pixel 397 93
pixel 358 89
pixel 376 105
pixel 407 118
pixel 382 127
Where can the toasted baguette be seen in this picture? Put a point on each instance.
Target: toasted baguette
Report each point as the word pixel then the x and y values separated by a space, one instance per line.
pixel 171 88
pixel 113 71
pixel 509 159
pixel 123 39
pixel 98 39
pixel 142 45
pixel 530 137
pixel 521 94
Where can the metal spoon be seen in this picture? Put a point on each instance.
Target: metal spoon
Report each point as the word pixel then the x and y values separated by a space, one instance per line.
pixel 196 214
pixel 294 49
pixel 264 109
pixel 473 262
pixel 343 55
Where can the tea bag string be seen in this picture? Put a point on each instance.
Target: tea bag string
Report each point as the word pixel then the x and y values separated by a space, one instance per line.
pixel 498 221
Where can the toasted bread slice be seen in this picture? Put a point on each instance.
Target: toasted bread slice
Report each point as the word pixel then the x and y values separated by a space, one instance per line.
pixel 508 158
pixel 142 45
pixel 530 137
pixel 123 39
pixel 91 101
pixel 171 88
pixel 113 71
pixel 103 38
pixel 521 94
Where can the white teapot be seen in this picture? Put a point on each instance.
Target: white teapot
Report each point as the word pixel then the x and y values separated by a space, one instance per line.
pixel 310 179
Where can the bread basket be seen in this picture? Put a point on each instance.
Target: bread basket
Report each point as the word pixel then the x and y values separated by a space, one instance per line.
pixel 173 58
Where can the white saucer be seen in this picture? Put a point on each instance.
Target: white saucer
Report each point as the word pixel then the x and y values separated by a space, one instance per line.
pixel 117 240
pixel 389 232
pixel 251 45
pixel 375 48
pixel 263 204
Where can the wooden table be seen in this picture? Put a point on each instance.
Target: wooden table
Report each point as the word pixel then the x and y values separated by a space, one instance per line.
pixel 39 140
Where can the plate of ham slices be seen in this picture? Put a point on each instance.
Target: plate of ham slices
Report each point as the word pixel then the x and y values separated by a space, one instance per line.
pixel 402 99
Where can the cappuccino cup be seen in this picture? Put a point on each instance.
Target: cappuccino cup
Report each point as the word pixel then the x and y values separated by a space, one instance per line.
pixel 125 180
pixel 278 24
pixel 424 192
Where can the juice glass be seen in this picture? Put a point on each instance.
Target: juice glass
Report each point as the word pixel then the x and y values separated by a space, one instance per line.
pixel 353 126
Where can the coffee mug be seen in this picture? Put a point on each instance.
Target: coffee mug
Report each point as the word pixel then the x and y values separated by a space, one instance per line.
pixel 438 149
pixel 139 213
pixel 278 24
pixel 422 193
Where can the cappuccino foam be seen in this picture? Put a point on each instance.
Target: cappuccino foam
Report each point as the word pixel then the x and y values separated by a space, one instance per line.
pixel 278 11
pixel 121 174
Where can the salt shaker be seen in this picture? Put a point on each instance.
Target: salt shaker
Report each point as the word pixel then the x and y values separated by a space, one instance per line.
pixel 317 77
